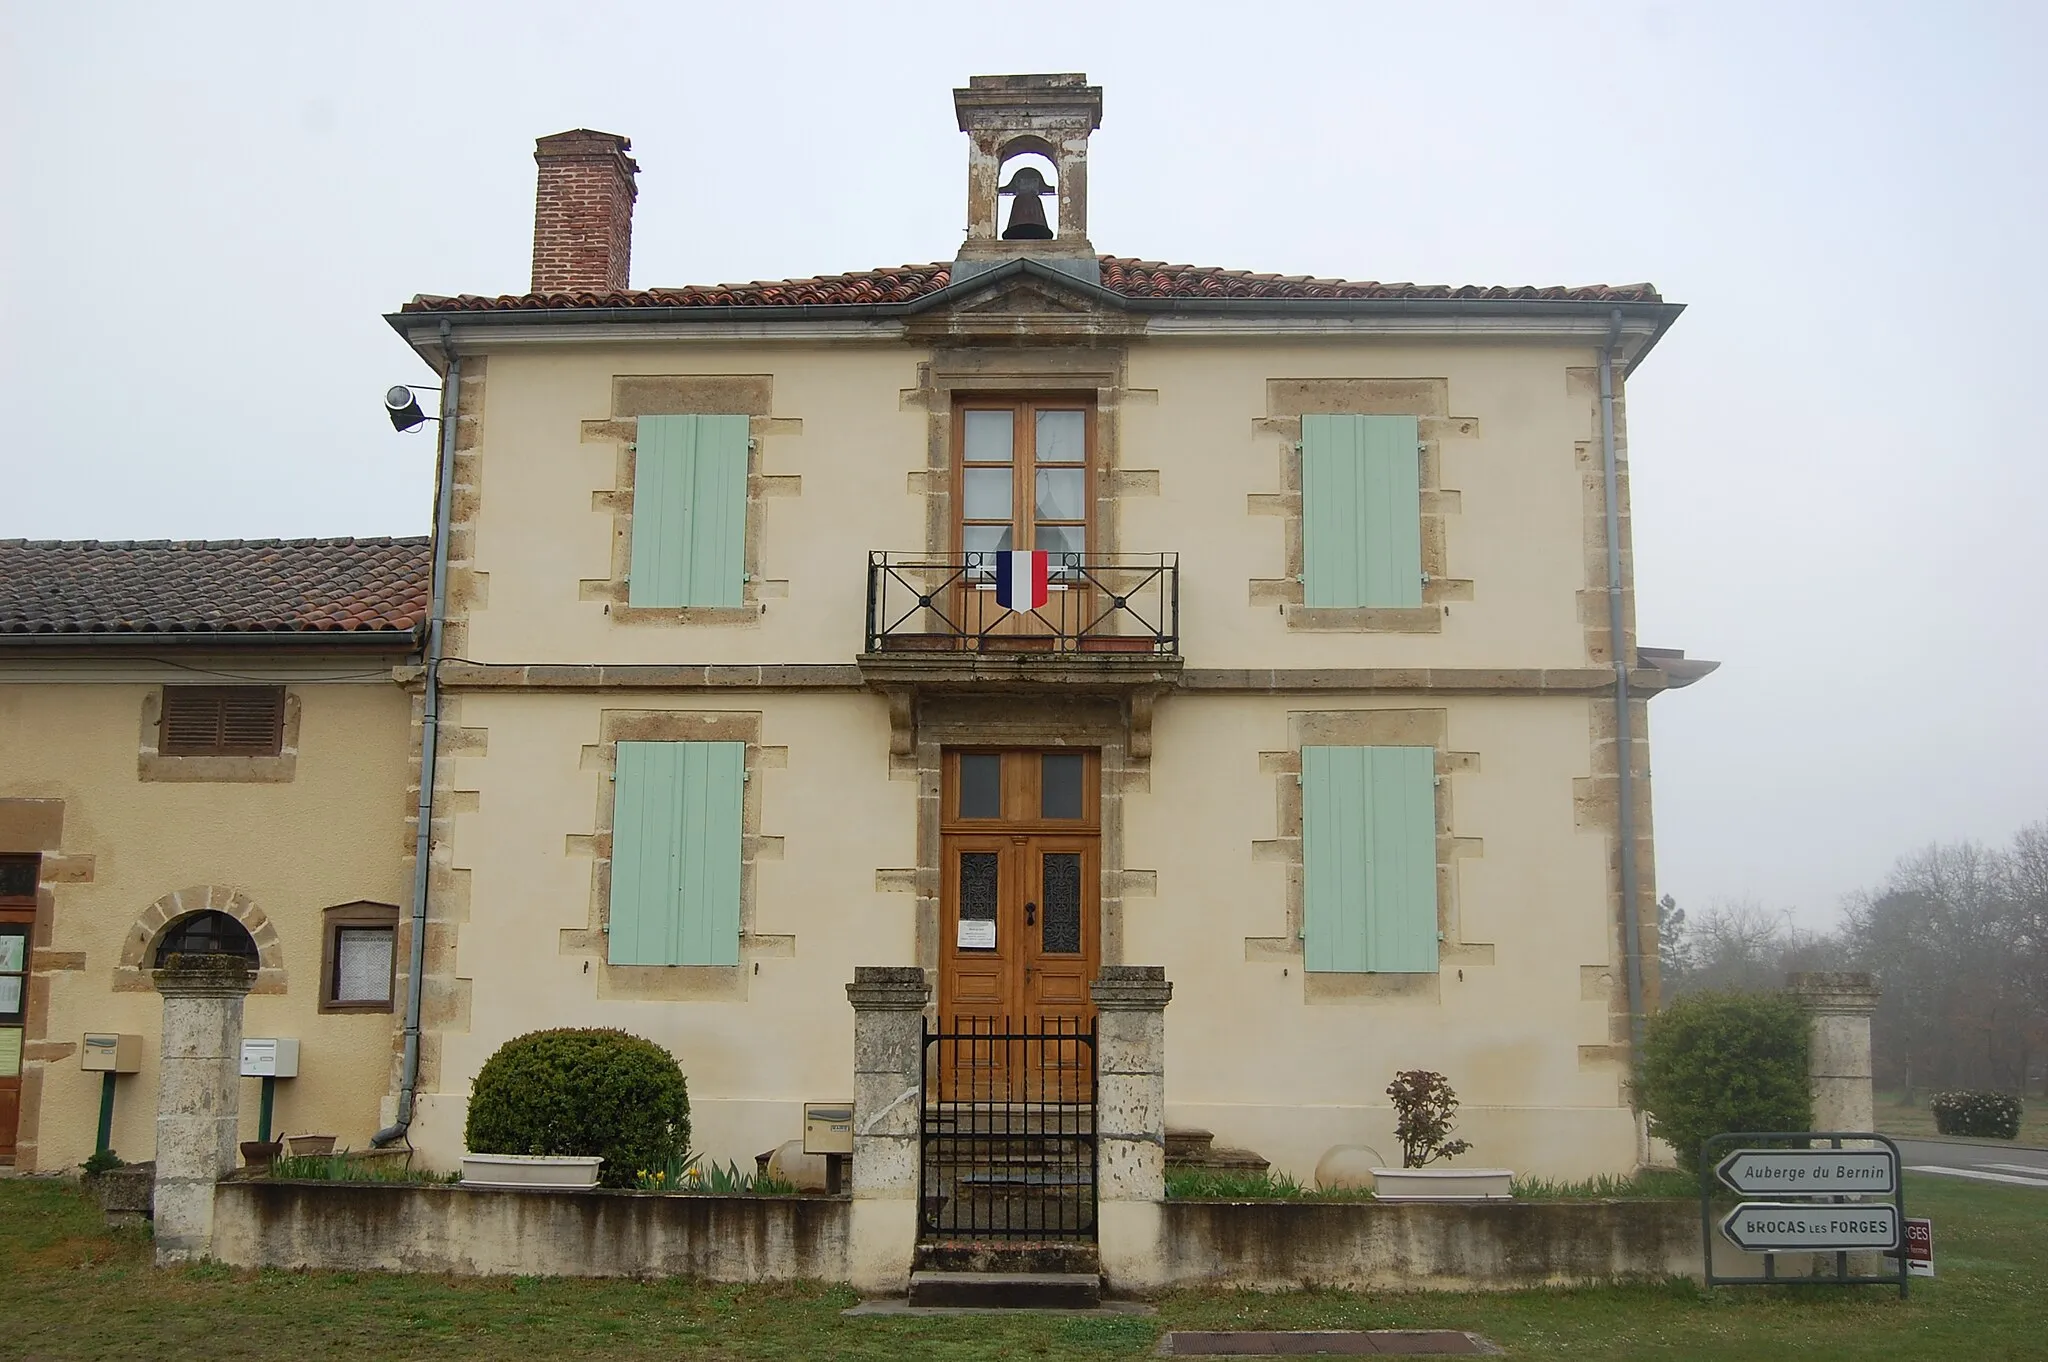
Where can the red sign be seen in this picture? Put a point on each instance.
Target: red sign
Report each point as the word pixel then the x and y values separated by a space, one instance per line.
pixel 1919 1247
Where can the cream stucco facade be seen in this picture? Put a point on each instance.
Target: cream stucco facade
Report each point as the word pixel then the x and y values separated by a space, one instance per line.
pixel 130 842
pixel 1526 1013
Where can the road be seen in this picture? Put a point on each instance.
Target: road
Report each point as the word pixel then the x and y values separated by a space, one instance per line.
pixel 1986 1162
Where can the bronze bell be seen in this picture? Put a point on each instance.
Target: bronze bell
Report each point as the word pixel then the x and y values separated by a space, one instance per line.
pixel 1027 209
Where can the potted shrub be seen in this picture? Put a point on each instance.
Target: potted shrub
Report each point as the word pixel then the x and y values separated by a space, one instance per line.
pixel 258 1155
pixel 575 1108
pixel 1425 1109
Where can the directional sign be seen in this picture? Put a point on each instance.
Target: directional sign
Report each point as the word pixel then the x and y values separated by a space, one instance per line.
pixel 1811 1172
pixel 1775 1227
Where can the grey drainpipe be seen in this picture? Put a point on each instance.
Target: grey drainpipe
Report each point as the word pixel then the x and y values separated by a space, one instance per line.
pixel 430 716
pixel 1624 754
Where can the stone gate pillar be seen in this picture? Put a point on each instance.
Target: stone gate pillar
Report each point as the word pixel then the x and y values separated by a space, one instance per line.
pixel 197 1096
pixel 1838 1008
pixel 1130 1121
pixel 888 1068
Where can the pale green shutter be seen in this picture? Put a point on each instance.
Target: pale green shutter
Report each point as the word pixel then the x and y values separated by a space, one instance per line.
pixel 1361 511
pixel 1368 851
pixel 689 511
pixel 676 853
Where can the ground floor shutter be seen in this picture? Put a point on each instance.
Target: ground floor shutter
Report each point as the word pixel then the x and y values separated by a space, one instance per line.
pixel 675 896
pixel 1368 825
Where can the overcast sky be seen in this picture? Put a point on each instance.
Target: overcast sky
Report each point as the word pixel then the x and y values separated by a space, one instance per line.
pixel 1840 481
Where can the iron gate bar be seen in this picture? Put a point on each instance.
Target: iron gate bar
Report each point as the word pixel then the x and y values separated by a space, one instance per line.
pixel 1798 1139
pixel 1006 1140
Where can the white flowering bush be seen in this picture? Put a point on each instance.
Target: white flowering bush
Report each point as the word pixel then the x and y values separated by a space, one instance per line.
pixel 1989 1115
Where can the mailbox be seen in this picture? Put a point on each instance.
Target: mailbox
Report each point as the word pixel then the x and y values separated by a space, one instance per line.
pixel 105 1052
pixel 270 1057
pixel 828 1127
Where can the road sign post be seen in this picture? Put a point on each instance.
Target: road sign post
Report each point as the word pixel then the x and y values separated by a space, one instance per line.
pixel 1817 1198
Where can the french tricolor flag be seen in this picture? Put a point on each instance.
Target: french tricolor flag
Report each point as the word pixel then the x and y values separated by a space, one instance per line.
pixel 1020 579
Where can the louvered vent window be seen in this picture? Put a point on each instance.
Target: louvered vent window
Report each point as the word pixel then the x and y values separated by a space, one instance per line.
pixel 233 721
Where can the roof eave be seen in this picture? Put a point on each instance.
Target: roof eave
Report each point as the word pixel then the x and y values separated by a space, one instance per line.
pixel 409 325
pixel 387 640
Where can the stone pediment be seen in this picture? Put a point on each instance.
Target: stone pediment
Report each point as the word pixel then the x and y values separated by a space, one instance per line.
pixel 1023 301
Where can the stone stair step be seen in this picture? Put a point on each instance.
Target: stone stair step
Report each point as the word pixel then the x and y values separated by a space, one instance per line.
pixel 1226 1160
pixel 1186 1144
pixel 1007 1290
pixel 985 1255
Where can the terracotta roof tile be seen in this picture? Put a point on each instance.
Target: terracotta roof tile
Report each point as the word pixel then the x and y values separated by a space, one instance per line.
pixel 53 588
pixel 1132 278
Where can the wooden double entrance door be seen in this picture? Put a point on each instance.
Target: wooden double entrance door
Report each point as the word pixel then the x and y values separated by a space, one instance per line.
pixel 1020 918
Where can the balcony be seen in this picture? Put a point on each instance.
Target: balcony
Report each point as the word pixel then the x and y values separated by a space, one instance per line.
pixel 1127 603
pixel 1108 622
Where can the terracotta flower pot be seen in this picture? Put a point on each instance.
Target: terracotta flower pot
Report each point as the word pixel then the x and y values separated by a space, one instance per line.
pixel 260 1153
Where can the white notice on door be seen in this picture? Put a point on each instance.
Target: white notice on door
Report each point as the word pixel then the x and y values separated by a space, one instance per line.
pixel 977 934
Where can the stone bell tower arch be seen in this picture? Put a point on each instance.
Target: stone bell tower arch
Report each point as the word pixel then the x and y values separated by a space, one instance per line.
pixel 1010 116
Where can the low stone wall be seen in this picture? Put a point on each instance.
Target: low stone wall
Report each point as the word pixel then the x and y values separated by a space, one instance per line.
pixel 494 1232
pixel 1413 1246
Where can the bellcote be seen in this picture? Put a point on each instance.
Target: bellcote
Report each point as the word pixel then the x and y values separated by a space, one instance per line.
pixel 1027 172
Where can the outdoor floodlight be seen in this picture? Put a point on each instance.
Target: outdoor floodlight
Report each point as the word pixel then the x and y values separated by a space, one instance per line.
pixel 402 405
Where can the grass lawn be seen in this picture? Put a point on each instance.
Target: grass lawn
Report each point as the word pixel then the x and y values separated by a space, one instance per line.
pixel 70 1289
pixel 1896 1119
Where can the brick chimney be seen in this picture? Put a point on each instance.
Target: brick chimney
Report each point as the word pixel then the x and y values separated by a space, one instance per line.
pixel 583 212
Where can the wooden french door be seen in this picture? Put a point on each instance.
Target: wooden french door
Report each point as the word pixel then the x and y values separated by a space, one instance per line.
pixel 18 875
pixel 1024 468
pixel 1020 917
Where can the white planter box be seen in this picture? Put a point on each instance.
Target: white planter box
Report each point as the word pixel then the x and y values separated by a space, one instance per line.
pixel 529 1170
pixel 1442 1184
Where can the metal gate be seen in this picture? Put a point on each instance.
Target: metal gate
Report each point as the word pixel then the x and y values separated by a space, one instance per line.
pixel 1006 1145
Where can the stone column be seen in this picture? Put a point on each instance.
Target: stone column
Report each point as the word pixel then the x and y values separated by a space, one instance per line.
pixel 888 1068
pixel 1838 1008
pixel 197 1096
pixel 1130 1122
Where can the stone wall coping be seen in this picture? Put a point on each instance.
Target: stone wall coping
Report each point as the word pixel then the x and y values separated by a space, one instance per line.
pixel 203 976
pixel 1834 990
pixel 888 988
pixel 1131 988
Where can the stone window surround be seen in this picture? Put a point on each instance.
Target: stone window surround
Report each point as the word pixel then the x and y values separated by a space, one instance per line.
pixel 154 765
pixel 138 947
pixel 1366 728
pixel 637 395
pixel 359 914
pixel 1052 372
pixel 36 827
pixel 1426 399
pixel 1020 721
pixel 676 983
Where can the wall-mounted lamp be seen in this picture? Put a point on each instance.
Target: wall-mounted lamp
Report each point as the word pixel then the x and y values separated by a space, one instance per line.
pixel 402 405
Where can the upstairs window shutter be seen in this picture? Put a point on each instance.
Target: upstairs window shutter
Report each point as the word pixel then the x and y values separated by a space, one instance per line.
pixel 1368 833
pixel 689 511
pixel 676 853
pixel 1361 511
pixel 236 721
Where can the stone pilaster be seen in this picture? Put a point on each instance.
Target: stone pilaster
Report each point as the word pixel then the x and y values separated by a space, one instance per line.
pixel 888 1061
pixel 1130 1084
pixel 1838 1008
pixel 888 1069
pixel 197 1096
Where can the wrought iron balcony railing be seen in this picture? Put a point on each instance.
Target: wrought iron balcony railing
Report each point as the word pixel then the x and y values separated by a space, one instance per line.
pixel 1094 603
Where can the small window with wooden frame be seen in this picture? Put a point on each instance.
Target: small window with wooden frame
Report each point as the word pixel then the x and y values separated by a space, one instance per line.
pixel 222 721
pixel 358 957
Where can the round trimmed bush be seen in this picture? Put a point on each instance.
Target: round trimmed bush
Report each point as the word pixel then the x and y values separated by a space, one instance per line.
pixel 582 1092
pixel 1715 1063
pixel 1987 1115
